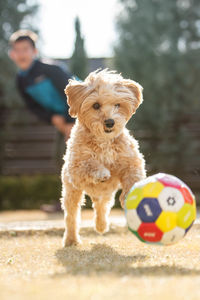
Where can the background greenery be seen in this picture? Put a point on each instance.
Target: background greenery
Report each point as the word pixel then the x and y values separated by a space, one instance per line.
pixel 159 46
pixel 13 15
pixel 30 192
pixel 78 61
pixel 26 192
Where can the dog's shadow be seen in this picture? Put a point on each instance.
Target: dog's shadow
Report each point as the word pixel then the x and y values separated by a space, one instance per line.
pixel 103 259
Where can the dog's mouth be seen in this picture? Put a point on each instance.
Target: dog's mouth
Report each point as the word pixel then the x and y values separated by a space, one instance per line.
pixel 108 130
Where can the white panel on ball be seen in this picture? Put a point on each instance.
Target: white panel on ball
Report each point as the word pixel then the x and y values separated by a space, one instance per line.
pixel 171 199
pixel 173 236
pixel 132 219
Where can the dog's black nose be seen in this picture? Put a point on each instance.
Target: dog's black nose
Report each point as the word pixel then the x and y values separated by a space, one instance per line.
pixel 109 123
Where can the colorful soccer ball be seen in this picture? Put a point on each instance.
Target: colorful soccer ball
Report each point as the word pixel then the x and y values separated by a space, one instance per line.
pixel 160 209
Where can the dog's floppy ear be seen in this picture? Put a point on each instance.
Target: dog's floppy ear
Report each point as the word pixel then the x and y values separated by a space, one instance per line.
pixel 136 90
pixel 76 92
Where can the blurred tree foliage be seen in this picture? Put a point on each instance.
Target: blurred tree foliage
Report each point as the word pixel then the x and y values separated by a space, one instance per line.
pixel 159 46
pixel 78 62
pixel 13 15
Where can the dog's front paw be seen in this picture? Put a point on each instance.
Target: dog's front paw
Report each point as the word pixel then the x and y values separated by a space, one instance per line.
pixel 102 175
pixel 101 226
pixel 70 241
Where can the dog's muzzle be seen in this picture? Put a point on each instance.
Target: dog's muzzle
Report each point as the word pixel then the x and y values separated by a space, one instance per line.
pixel 109 123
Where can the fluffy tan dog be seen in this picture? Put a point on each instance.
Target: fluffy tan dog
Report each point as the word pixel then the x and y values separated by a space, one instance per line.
pixel 101 156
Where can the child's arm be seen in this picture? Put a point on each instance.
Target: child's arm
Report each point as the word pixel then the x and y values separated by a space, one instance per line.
pixel 59 78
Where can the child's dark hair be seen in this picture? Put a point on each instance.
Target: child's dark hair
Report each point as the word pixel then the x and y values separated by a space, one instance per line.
pixel 23 35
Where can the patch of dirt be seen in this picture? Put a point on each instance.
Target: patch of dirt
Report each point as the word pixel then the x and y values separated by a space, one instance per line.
pixel 113 266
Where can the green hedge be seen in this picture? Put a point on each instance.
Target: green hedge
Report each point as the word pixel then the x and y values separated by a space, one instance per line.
pixel 30 192
pixel 26 192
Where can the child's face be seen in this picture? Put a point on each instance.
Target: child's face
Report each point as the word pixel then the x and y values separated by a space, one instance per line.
pixel 23 54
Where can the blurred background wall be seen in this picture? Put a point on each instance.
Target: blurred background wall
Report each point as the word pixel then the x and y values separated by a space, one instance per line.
pixel 156 43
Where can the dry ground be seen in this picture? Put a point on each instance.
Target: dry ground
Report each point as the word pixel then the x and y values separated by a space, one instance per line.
pixel 113 266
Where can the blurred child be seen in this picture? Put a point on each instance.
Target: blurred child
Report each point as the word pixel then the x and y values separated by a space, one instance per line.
pixel 41 85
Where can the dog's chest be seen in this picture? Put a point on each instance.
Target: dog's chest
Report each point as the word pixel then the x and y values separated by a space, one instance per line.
pixel 106 154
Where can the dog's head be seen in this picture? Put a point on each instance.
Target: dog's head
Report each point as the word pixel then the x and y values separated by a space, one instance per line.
pixel 104 102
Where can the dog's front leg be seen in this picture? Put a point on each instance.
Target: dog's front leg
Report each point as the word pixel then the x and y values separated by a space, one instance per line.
pixel 131 176
pixel 88 171
pixel 71 203
pixel 102 207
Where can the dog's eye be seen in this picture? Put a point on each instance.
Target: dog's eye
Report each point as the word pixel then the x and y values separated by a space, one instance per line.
pixel 96 105
pixel 117 105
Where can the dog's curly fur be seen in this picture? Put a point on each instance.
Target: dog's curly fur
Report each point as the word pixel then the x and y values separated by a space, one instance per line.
pixel 100 159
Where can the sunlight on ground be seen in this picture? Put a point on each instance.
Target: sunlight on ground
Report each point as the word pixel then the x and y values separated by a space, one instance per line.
pixel 113 266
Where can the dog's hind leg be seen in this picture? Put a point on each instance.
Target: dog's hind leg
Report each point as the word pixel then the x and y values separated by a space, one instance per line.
pixel 102 209
pixel 71 203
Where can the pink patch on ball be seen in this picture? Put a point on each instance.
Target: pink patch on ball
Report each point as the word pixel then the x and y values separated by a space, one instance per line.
pixel 170 181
